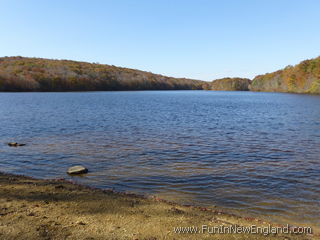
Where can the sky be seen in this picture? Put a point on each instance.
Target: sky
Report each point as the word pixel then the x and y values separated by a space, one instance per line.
pixel 199 39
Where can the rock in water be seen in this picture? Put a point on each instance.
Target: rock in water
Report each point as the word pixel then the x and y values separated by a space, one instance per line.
pixel 15 144
pixel 77 170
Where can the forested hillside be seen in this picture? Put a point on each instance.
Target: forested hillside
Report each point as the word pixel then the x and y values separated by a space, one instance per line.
pixel 37 74
pixel 230 84
pixel 301 78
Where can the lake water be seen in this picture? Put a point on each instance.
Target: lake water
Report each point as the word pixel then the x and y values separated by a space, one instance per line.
pixel 257 153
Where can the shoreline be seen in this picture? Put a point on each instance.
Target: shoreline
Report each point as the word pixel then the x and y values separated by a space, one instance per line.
pixel 33 208
pixel 161 90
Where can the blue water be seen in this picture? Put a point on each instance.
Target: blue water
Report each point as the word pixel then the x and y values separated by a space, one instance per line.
pixel 253 152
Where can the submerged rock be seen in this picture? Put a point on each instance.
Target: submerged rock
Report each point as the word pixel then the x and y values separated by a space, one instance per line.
pixel 15 144
pixel 77 170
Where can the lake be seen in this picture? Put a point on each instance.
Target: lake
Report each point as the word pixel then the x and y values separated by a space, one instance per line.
pixel 247 152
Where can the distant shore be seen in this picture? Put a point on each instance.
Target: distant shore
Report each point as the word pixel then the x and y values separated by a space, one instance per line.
pixel 23 74
pixel 58 209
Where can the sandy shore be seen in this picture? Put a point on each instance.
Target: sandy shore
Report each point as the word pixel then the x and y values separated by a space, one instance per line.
pixel 57 209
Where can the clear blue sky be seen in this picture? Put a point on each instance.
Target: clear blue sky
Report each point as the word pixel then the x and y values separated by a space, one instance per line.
pixel 201 39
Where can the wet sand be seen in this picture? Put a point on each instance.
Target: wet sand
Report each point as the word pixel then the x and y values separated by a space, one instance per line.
pixel 57 209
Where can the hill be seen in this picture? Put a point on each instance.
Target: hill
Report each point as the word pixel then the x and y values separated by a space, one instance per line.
pixel 301 78
pixel 37 74
pixel 230 84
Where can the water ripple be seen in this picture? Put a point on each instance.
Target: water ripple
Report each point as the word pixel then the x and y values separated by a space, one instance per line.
pixel 252 152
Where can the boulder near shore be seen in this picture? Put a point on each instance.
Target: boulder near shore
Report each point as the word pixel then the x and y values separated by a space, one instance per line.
pixel 77 170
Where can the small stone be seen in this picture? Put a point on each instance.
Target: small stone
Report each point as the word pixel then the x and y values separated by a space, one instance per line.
pixel 77 170
pixel 176 210
pixel 15 144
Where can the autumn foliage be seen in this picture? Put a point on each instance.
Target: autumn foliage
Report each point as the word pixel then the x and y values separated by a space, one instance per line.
pixel 37 74
pixel 230 84
pixel 301 78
